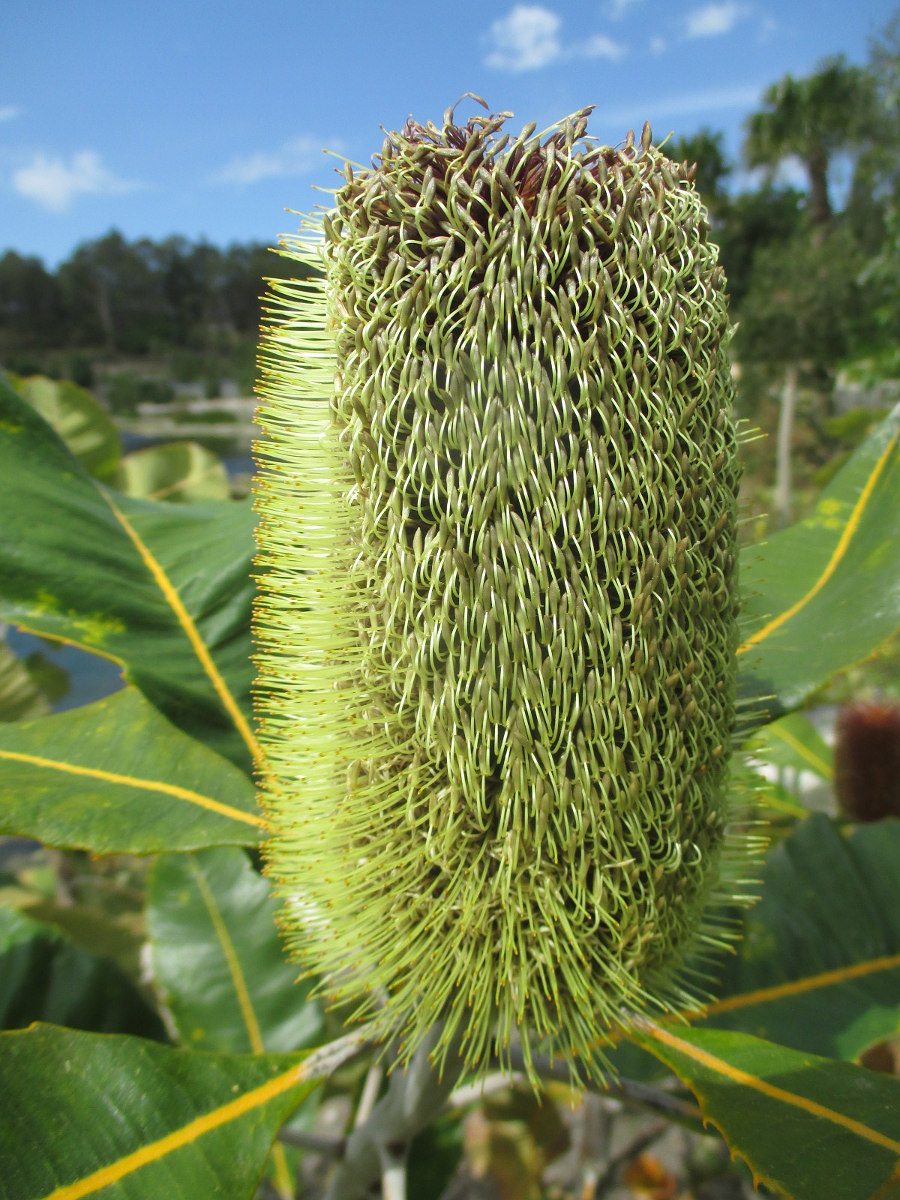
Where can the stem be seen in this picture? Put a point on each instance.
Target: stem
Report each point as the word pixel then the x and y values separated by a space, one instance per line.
pixel 377 1149
pixel 616 1088
pixel 393 1175
pixel 369 1094
pixel 317 1143
pixel 634 1147
pixel 782 498
pixel 326 1060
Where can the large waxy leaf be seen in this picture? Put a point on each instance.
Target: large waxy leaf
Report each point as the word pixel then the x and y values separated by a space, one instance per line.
pixel 83 1114
pixel 218 961
pixel 83 424
pixel 44 977
pixel 116 777
pixel 794 742
pixel 818 967
pixel 808 1127
pixel 164 590
pixel 177 471
pixel 823 594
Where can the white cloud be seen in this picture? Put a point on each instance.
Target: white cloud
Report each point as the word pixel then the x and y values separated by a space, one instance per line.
pixel 296 157
pixel 617 9
pixel 9 112
pixel 713 20
pixel 601 46
pixel 54 184
pixel 657 44
pixel 525 40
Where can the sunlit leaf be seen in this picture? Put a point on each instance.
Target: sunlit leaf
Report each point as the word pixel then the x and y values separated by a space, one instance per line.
pixel 795 743
pixel 163 589
pixel 21 696
pixel 83 424
pixel 176 471
pixel 82 1114
pixel 822 595
pixel 116 777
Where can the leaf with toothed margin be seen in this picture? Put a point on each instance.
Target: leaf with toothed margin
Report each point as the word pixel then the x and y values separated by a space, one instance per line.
pixel 808 1127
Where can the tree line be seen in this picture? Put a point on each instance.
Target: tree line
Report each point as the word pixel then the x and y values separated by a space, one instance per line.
pixel 117 297
pixel 812 269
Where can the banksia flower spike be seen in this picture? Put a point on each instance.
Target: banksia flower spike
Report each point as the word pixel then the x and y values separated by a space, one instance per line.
pixel 497 623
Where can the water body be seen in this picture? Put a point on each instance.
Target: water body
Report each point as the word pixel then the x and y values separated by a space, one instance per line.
pixel 92 677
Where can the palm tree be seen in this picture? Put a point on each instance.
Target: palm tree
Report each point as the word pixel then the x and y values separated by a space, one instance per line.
pixel 812 119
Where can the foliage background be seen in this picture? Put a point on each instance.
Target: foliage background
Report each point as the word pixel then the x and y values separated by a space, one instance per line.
pixel 173 1041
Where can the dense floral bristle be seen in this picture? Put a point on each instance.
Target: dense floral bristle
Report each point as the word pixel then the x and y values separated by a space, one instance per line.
pixel 867 760
pixel 497 624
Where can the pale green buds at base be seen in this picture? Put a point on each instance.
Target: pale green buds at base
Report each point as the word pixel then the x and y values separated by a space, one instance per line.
pixel 497 618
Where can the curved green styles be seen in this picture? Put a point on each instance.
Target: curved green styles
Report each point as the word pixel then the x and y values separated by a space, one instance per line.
pixel 497 624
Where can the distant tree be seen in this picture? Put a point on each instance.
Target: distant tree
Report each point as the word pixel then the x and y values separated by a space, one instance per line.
pixel 103 282
pixel 244 269
pixel 874 199
pixel 32 313
pixel 705 149
pixel 182 288
pixel 750 222
pixel 832 111
pixel 802 314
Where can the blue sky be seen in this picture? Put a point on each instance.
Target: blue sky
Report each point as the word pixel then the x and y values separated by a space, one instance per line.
pixel 209 120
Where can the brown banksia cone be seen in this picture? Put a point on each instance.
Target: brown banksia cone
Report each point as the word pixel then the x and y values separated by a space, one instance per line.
pixel 867 760
pixel 497 618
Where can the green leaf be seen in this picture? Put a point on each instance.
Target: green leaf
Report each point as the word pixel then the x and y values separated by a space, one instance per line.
pixel 822 595
pixel 795 743
pixel 818 966
pixel 177 471
pixel 434 1156
pixel 43 977
pixel 807 1127
pixel 20 694
pixel 115 777
pixel 83 424
pixel 165 590
pixel 82 1114
pixel 217 960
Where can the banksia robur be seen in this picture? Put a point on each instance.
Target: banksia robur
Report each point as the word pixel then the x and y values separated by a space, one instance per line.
pixel 497 623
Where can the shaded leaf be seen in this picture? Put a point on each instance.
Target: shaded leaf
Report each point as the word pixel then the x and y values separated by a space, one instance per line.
pixel 794 742
pixel 43 977
pixel 808 1127
pixel 217 959
pixel 116 777
pixel 176 471
pixel 82 423
pixel 822 595
pixel 81 1113
pixel 434 1156
pixel 164 590
pixel 818 966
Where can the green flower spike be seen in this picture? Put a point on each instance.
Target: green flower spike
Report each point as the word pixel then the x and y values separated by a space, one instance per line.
pixel 497 623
